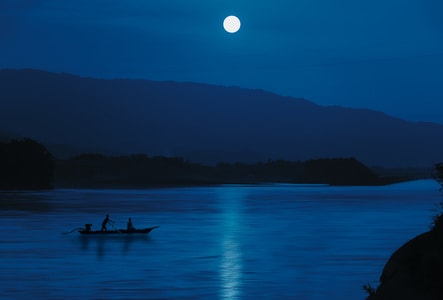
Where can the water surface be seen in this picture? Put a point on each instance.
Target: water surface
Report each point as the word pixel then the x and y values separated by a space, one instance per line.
pixel 223 242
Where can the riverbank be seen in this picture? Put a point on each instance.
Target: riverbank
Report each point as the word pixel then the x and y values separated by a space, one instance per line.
pixel 138 171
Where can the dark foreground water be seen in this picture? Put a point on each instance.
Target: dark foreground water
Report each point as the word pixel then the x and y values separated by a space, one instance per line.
pixel 227 242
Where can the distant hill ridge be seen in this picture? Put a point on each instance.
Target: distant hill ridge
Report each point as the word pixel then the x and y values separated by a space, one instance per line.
pixel 203 123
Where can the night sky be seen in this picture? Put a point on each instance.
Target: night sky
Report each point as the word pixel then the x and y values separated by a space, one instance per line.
pixel 385 55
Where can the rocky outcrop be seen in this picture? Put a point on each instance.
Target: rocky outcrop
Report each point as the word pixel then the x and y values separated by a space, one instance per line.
pixel 415 270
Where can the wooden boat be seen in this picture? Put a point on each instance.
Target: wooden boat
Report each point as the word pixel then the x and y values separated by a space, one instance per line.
pixel 86 231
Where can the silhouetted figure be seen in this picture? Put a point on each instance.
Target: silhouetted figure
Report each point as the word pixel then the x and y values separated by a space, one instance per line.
pixel 130 227
pixel 88 227
pixel 105 221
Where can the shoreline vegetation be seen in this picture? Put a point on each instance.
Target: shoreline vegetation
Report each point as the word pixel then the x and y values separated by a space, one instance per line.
pixel 139 170
pixel 27 164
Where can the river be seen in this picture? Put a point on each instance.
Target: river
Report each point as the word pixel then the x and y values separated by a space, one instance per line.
pixel 269 241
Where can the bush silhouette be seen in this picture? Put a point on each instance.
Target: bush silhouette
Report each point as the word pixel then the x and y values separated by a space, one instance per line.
pixel 25 164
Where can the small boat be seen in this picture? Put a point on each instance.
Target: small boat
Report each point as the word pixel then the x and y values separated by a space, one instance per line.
pixel 88 231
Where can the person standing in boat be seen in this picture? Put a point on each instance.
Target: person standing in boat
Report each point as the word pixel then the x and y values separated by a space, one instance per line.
pixel 105 221
pixel 130 227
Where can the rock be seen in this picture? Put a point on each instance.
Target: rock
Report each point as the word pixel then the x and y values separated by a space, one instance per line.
pixel 415 270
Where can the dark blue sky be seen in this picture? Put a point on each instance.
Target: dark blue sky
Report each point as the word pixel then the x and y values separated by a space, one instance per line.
pixel 380 54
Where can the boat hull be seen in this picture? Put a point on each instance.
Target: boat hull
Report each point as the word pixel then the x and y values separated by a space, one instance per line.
pixel 118 231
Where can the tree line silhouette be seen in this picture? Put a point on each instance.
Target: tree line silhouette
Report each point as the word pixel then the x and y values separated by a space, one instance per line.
pixel 25 164
pixel 139 169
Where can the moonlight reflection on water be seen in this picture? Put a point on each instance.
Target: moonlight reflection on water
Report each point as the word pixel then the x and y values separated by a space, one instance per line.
pixel 230 201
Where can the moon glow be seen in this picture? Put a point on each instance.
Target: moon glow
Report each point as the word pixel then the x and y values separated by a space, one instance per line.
pixel 231 24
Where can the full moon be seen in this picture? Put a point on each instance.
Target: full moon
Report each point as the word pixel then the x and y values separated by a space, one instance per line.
pixel 231 24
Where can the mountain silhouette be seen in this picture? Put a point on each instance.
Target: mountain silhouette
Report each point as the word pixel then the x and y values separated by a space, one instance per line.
pixel 203 123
